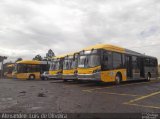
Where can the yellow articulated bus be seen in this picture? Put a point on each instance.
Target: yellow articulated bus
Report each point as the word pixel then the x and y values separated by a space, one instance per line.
pixel 108 63
pixel 9 70
pixel 70 64
pixel 30 69
pixel 56 67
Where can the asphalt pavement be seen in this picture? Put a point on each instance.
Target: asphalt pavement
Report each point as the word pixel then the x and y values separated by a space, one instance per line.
pixel 79 97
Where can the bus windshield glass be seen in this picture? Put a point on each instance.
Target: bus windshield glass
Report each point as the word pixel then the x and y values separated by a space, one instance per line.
pixel 55 65
pixel 10 69
pixel 74 64
pixel 67 64
pixel 15 68
pixel 87 61
pixel 70 62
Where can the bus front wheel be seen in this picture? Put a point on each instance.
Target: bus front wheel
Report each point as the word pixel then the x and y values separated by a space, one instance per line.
pixel 31 77
pixel 118 79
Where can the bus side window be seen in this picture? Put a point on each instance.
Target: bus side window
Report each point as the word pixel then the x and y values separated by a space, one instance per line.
pixel 134 62
pixel 123 61
pixel 117 60
pixel 107 61
pixel 156 62
pixel 153 62
pixel 147 62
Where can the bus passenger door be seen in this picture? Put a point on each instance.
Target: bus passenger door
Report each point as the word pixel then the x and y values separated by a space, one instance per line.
pixel 129 66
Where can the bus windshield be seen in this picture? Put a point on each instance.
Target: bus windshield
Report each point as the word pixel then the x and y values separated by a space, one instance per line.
pixel 67 64
pixel 74 64
pixel 10 69
pixel 55 65
pixel 87 61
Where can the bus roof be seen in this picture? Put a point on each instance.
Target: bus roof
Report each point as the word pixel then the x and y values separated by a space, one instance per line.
pixel 116 49
pixel 72 53
pixel 107 47
pixel 59 56
pixel 10 65
pixel 29 62
pixel 131 52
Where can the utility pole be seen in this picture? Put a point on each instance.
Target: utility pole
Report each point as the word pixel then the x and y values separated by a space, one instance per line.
pixel 2 58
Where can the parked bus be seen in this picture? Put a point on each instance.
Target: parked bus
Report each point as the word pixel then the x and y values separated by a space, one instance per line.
pixel 110 63
pixel 8 71
pixel 30 69
pixel 56 67
pixel 70 64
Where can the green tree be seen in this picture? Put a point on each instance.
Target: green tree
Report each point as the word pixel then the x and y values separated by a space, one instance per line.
pixel 2 58
pixel 49 55
pixel 38 57
pixel 19 59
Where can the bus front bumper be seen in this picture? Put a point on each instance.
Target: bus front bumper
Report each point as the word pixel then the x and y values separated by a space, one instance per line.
pixel 56 76
pixel 69 76
pixel 93 77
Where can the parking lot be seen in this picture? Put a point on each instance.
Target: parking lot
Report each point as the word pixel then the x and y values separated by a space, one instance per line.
pixel 79 97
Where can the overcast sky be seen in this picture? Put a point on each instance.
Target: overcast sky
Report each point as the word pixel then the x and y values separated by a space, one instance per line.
pixel 30 27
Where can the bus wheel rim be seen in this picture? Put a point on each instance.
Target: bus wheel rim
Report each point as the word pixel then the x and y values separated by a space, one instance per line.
pixel 117 79
pixel 32 77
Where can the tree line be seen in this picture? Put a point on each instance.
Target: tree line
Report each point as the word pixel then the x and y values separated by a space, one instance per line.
pixel 38 57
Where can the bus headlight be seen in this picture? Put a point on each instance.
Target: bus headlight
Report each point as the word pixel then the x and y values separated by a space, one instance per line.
pixel 75 72
pixel 59 72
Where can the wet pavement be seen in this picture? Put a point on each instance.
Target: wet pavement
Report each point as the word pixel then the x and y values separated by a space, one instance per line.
pixel 78 97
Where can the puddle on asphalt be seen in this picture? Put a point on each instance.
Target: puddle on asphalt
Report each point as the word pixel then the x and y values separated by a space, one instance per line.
pixel 35 108
pixel 6 99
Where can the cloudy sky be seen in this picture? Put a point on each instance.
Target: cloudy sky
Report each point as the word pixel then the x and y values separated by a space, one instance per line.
pixel 30 27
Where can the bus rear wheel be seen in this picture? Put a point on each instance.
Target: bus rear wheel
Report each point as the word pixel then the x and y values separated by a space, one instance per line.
pixel 65 80
pixel 118 79
pixel 32 77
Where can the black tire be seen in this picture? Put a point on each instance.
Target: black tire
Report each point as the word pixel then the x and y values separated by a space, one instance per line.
pixel 42 78
pixel 65 80
pixel 148 77
pixel 46 78
pixel 118 79
pixel 74 80
pixel 31 77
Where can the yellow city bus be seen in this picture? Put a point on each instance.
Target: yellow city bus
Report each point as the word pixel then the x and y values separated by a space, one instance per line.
pixel 70 64
pixel 109 63
pixel 9 70
pixel 56 67
pixel 30 69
